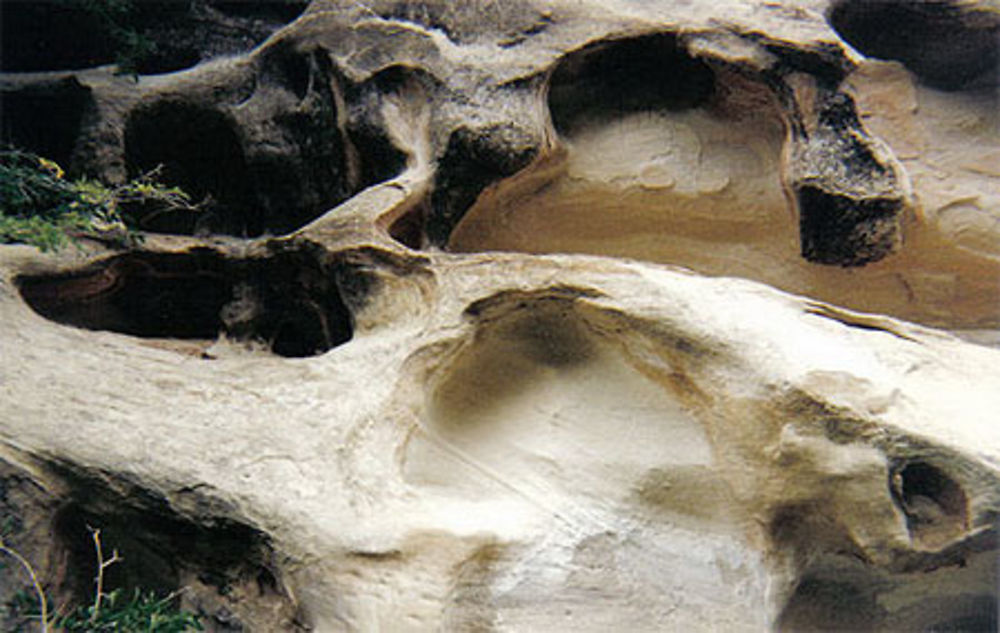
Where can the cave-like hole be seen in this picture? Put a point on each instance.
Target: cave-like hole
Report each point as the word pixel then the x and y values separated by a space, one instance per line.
pixel 609 79
pixel 45 117
pixel 199 151
pixel 301 311
pixel 841 230
pixel 408 228
pixel 380 158
pixel 284 66
pixel 947 43
pixel 160 296
pixel 159 551
pixel 929 496
pixel 289 301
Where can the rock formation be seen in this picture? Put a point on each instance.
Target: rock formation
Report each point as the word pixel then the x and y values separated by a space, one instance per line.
pixel 525 316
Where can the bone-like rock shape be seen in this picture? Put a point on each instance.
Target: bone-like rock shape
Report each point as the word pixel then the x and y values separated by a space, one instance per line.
pixel 582 445
pixel 741 138
pixel 425 364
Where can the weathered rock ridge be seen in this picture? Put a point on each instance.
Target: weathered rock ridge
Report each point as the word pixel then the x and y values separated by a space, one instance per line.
pixel 528 316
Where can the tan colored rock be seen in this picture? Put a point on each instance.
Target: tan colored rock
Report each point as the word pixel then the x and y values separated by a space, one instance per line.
pixel 480 393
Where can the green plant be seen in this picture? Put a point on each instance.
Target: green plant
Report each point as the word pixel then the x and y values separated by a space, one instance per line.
pixel 143 612
pixel 109 612
pixel 38 206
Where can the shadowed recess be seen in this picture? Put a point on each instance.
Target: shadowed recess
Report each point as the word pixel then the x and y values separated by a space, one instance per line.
pixel 613 78
pixel 366 123
pixel 45 117
pixel 948 44
pixel 155 546
pixel 200 152
pixel 289 301
pixel 473 159
pixel 935 505
pixel 165 541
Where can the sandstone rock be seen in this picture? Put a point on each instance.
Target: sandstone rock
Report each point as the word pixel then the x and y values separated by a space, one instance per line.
pixel 456 378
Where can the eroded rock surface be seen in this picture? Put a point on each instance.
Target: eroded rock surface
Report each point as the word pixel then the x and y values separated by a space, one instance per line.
pixel 489 324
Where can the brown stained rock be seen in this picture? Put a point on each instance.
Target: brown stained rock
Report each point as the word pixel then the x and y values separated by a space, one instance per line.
pixel 401 394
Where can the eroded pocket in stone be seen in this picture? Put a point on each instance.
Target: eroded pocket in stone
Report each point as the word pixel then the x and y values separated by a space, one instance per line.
pixel 662 156
pixel 289 301
pixel 936 507
pixel 948 44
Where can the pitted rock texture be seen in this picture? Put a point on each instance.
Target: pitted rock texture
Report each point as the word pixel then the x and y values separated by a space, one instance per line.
pixel 490 324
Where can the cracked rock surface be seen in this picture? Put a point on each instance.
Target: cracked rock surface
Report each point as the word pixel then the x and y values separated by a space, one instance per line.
pixel 525 316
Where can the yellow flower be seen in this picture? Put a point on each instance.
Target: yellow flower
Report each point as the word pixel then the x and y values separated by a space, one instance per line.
pixel 51 166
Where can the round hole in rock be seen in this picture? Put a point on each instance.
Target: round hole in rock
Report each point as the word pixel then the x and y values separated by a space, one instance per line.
pixel 935 505
pixel 200 152
pixel 949 44
pixel 408 228
pixel 609 79
pixel 926 481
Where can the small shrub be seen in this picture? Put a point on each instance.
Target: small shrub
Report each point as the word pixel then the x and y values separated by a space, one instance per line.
pixel 38 206
pixel 143 612
pixel 110 612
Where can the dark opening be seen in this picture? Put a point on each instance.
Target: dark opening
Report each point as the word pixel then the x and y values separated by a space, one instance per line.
pixel 474 159
pixel 947 43
pixel 295 306
pixel 156 546
pixel 614 78
pixel 200 152
pixel 841 230
pixel 302 168
pixel 146 295
pixel 929 496
pixel 289 301
pixel 380 159
pixel 45 117
pixel 408 228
